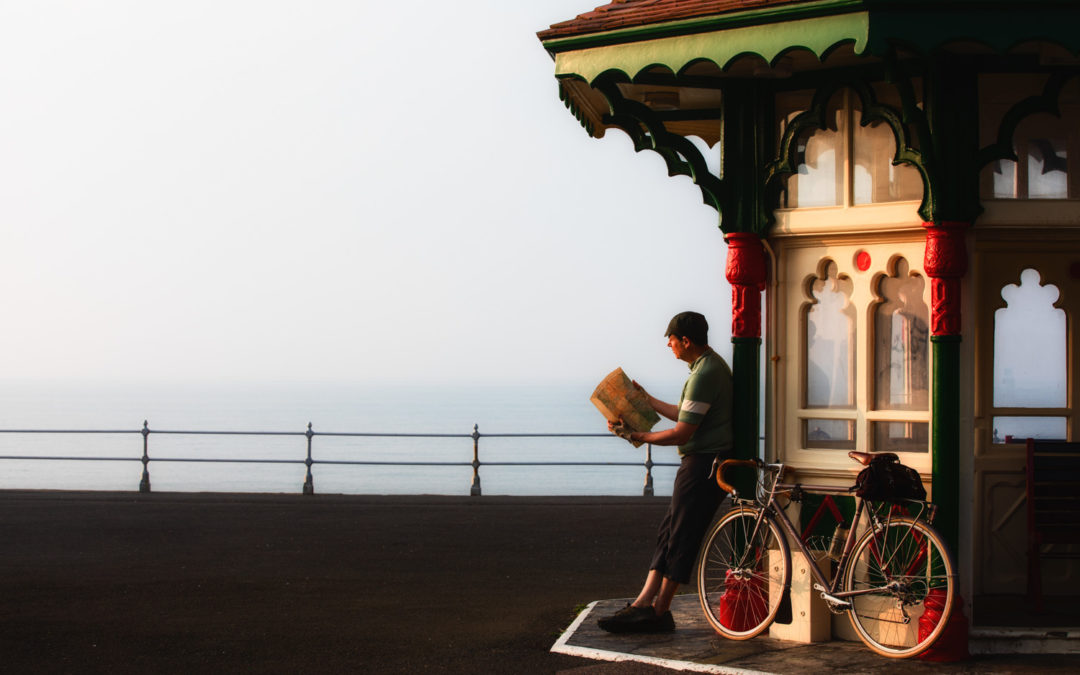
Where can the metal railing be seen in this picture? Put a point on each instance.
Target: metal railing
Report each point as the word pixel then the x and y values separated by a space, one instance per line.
pixel 309 482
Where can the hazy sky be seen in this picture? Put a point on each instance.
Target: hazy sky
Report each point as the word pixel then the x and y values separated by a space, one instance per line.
pixel 324 190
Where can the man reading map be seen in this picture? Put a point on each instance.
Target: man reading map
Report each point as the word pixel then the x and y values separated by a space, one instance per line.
pixel 703 432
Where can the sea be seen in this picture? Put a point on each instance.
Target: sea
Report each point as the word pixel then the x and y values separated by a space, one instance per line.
pixel 94 439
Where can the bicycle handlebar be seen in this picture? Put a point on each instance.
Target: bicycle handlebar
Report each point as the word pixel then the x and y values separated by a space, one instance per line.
pixel 726 487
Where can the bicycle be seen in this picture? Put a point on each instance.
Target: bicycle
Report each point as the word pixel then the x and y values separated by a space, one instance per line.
pixel 892 577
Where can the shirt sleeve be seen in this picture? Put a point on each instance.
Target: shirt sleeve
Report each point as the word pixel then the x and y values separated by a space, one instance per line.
pixel 702 390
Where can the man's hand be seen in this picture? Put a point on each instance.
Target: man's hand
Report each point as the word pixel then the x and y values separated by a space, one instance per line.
pixel 620 429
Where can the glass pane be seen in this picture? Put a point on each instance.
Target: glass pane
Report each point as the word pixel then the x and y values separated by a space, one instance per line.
pixel 829 434
pixel 1047 167
pixel 876 178
pixel 901 436
pixel 817 181
pixel 1018 429
pixel 1030 369
pixel 830 337
pixel 901 342
pixel 1004 179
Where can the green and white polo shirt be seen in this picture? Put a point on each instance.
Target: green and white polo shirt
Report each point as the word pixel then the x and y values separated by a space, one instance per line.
pixel 706 401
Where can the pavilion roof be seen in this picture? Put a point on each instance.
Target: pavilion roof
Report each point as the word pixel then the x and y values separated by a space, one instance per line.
pixel 633 13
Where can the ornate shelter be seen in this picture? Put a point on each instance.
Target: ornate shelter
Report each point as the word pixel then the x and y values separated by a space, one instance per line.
pixel 902 180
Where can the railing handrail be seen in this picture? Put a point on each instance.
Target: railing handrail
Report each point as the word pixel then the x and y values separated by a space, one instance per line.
pixel 309 460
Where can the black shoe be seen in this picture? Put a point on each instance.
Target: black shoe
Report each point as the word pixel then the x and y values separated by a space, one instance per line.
pixel 632 619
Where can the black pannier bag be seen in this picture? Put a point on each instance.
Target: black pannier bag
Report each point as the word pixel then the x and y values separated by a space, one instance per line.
pixel 886 479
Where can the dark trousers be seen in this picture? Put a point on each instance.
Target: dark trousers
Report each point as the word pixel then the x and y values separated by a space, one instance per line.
pixel 694 500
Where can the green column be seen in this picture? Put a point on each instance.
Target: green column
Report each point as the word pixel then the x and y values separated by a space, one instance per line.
pixel 945 439
pixel 746 357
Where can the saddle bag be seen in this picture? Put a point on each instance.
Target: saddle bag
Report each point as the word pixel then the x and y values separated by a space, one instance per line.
pixel 887 480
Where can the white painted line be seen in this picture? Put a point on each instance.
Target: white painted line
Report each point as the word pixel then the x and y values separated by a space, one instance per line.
pixel 560 647
pixel 569 632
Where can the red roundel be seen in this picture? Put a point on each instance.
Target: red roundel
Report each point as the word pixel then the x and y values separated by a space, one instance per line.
pixel 862 261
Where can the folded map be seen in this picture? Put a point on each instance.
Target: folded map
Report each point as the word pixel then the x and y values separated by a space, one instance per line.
pixel 616 398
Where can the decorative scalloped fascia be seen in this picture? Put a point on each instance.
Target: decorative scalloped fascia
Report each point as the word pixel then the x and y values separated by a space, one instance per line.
pixel 819 35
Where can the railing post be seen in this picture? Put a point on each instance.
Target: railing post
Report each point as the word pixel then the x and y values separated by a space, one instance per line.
pixel 648 491
pixel 309 482
pixel 474 491
pixel 144 484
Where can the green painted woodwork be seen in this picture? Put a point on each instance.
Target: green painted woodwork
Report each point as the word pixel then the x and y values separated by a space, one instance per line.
pixel 925 26
pixel 819 35
pixel 945 436
pixel 745 360
pixel 647 131
pixel 745 149
pixel 951 147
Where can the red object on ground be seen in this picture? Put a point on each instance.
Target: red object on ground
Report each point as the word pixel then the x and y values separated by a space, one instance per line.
pixel 952 644
pixel 743 604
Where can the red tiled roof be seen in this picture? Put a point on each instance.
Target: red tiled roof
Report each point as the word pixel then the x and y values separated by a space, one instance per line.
pixel 634 13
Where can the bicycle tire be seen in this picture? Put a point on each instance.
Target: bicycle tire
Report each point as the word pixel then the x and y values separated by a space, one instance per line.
pixel 910 555
pixel 741 579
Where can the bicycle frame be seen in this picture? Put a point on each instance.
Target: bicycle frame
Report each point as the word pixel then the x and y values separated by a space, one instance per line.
pixel 768 505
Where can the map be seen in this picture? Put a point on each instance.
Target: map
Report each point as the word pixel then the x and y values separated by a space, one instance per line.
pixel 616 397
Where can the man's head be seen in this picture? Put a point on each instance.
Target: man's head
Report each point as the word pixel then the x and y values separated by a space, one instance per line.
pixel 689 325
pixel 688 335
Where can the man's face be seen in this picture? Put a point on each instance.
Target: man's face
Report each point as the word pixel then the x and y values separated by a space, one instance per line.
pixel 678 346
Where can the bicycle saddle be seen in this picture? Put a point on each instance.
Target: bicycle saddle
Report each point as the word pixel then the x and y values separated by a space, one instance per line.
pixel 865 458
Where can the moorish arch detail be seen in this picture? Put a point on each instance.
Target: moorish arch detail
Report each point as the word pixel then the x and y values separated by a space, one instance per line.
pixel 816 118
pixel 1045 102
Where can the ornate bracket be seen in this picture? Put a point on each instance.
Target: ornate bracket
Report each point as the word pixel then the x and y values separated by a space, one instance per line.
pixel 648 132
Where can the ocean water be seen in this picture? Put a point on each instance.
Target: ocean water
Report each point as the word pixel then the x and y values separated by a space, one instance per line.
pixel 330 408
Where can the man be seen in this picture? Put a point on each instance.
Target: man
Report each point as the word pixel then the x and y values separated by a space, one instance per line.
pixel 703 431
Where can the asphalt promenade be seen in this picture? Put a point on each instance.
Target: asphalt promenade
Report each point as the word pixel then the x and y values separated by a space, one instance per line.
pixel 211 583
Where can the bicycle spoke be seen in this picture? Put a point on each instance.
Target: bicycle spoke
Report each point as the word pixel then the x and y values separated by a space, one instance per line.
pixel 898 567
pixel 737 576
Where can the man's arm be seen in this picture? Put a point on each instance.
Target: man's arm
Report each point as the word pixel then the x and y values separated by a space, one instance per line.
pixel 668 410
pixel 678 435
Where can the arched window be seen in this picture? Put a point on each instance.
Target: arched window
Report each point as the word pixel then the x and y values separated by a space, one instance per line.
pixel 901 358
pixel 901 341
pixel 829 325
pixel 1030 360
pixel 827 157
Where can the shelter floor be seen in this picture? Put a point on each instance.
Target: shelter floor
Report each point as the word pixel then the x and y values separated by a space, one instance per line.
pixel 695 646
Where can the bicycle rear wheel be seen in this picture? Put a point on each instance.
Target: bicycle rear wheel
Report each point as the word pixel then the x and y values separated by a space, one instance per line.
pixel 743 568
pixel 908 571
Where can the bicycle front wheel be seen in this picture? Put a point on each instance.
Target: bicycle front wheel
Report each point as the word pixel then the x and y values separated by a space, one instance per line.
pixel 743 569
pixel 906 584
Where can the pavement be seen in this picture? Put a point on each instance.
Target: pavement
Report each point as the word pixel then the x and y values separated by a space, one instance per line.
pixel 95 582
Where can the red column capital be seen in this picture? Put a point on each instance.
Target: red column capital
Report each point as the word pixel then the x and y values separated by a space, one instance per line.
pixel 746 274
pixel 945 263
